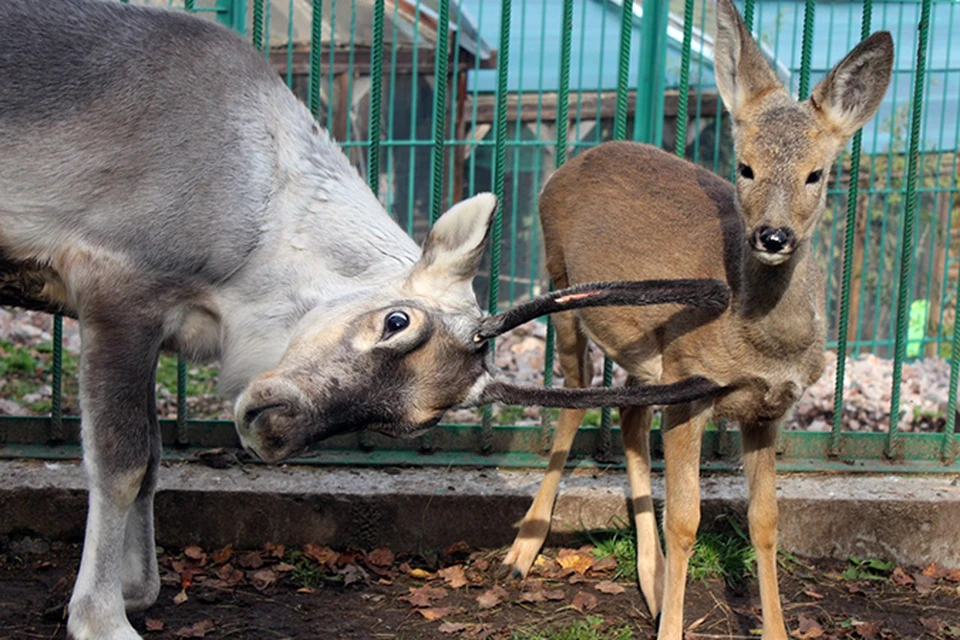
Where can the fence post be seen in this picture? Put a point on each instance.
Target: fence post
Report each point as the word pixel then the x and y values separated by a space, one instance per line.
pixel 906 245
pixel 233 14
pixel 648 123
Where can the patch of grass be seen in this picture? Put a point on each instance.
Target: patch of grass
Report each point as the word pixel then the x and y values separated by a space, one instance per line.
pixel 509 415
pixel 593 628
pixel 618 542
pixel 868 569
pixel 306 573
pixel 200 380
pixel 724 552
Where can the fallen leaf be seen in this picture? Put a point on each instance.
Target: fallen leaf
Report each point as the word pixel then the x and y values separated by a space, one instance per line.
pixel 953 575
pixel 424 596
pixel 604 564
pixel 481 565
pixel 196 630
pixel 230 574
pixel 555 594
pixel 219 557
pixel 322 555
pixel 181 597
pixel 194 553
pixel 867 630
pixel 932 625
pixel 584 601
pixel 574 561
pixel 492 597
pixel 532 596
pixel 924 584
pixel 435 613
pixel 451 627
pixel 854 588
pixel 808 628
pixel 816 595
pixel 263 578
pixel 479 631
pixel 935 572
pixel 154 624
pixel 900 577
pixel 421 574
pixel 306 590
pixel 454 576
pixel 252 560
pixel 284 567
pixel 186 577
pixel 576 578
pixel 352 573
pixel 606 586
pixel 457 548
pixel 274 550
pixel 381 557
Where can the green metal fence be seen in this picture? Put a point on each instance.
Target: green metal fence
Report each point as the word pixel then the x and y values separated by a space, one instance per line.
pixel 511 89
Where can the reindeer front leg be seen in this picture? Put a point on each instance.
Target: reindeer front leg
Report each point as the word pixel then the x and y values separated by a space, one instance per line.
pixel 121 452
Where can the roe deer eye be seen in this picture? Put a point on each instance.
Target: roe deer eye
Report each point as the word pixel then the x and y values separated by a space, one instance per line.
pixel 396 321
pixel 746 172
pixel 814 177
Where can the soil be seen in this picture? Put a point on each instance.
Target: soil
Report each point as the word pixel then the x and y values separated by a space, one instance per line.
pixel 260 595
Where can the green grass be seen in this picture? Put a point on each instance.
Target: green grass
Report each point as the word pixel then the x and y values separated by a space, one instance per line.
pixel 590 629
pixel 306 573
pixel 723 552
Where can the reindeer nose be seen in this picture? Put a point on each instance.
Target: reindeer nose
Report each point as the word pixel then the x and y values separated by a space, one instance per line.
pixel 773 240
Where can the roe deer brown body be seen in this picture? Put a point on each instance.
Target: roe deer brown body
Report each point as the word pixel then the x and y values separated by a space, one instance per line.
pixel 629 211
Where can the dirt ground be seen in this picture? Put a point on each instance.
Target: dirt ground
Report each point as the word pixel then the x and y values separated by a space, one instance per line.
pixel 572 594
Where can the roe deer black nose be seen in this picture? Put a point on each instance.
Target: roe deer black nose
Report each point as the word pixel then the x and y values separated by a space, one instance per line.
pixel 773 240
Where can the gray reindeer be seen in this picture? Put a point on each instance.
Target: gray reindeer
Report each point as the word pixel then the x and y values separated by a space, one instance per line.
pixel 160 183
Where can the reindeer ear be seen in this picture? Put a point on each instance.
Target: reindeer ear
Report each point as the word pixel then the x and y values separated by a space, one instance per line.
pixel 741 71
pixel 454 247
pixel 852 91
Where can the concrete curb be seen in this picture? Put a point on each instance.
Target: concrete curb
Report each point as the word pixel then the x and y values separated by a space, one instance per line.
pixel 912 519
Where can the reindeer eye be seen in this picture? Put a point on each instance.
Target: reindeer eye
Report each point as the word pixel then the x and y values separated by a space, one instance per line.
pixel 746 172
pixel 814 177
pixel 396 321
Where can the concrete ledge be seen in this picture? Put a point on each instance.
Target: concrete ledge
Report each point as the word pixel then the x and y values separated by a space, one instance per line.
pixel 913 519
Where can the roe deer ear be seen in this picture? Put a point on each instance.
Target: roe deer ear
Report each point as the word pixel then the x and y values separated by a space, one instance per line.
pixel 454 247
pixel 851 93
pixel 740 69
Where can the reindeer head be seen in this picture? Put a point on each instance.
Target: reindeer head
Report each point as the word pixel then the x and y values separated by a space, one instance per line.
pixel 394 358
pixel 785 148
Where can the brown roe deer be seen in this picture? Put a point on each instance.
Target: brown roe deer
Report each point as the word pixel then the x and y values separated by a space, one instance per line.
pixel 626 211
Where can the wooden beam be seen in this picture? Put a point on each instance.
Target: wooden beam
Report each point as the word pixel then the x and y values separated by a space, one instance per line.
pixel 590 105
pixel 300 60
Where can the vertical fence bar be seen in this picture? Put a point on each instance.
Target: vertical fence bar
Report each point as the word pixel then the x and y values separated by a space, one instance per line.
pixel 948 451
pixel 500 134
pixel 806 48
pixel 906 255
pixel 182 438
pixel 560 156
pixel 850 231
pixel 648 117
pixel 257 31
pixel 748 8
pixel 55 433
pixel 376 89
pixel 439 109
pixel 681 126
pixel 604 443
pixel 316 39
pixel 373 151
